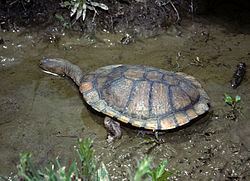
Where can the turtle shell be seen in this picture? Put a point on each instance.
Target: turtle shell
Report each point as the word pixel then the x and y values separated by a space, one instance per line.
pixel 145 97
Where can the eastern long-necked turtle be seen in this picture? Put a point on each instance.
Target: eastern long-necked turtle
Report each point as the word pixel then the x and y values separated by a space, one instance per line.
pixel 145 97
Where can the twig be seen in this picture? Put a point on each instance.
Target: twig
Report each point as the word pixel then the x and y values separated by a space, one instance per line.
pixel 176 11
pixel 96 13
pixel 192 7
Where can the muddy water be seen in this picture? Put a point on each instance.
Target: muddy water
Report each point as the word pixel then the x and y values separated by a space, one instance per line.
pixel 45 114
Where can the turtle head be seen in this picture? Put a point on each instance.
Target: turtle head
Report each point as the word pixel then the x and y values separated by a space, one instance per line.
pixel 54 66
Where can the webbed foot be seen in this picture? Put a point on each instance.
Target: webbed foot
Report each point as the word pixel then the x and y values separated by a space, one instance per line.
pixel 113 128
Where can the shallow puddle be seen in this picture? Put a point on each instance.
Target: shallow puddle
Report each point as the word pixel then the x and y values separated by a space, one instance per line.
pixel 45 114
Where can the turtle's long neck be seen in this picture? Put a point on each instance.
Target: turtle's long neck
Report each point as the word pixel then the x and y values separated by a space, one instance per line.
pixel 74 72
pixel 62 67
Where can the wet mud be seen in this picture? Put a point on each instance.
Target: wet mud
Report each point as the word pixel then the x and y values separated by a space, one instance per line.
pixel 45 114
pixel 137 17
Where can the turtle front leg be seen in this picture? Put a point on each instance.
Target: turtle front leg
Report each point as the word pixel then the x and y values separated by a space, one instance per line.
pixel 113 128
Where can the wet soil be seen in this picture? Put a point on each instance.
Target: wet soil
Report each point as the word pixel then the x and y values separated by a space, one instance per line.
pixel 45 115
pixel 136 17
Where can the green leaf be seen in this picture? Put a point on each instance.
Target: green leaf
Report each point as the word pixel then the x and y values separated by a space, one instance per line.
pixel 228 99
pixel 100 5
pixel 84 7
pixel 143 169
pixel 73 171
pixel 79 13
pixel 74 9
pixel 160 169
pixel 159 173
pixel 237 99
pixel 50 173
pixel 62 173
pixel 26 168
pixel 86 155
pixel 102 173
pixel 66 4
pixel 165 176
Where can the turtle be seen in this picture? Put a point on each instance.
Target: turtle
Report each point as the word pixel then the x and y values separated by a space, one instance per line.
pixel 145 97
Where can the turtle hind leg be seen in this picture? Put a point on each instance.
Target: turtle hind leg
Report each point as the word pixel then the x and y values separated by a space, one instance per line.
pixel 113 128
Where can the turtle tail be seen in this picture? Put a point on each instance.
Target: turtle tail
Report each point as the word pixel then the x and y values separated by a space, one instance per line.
pixel 63 68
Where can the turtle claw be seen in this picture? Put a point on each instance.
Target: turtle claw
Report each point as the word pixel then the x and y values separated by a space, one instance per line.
pixel 110 139
pixel 157 139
